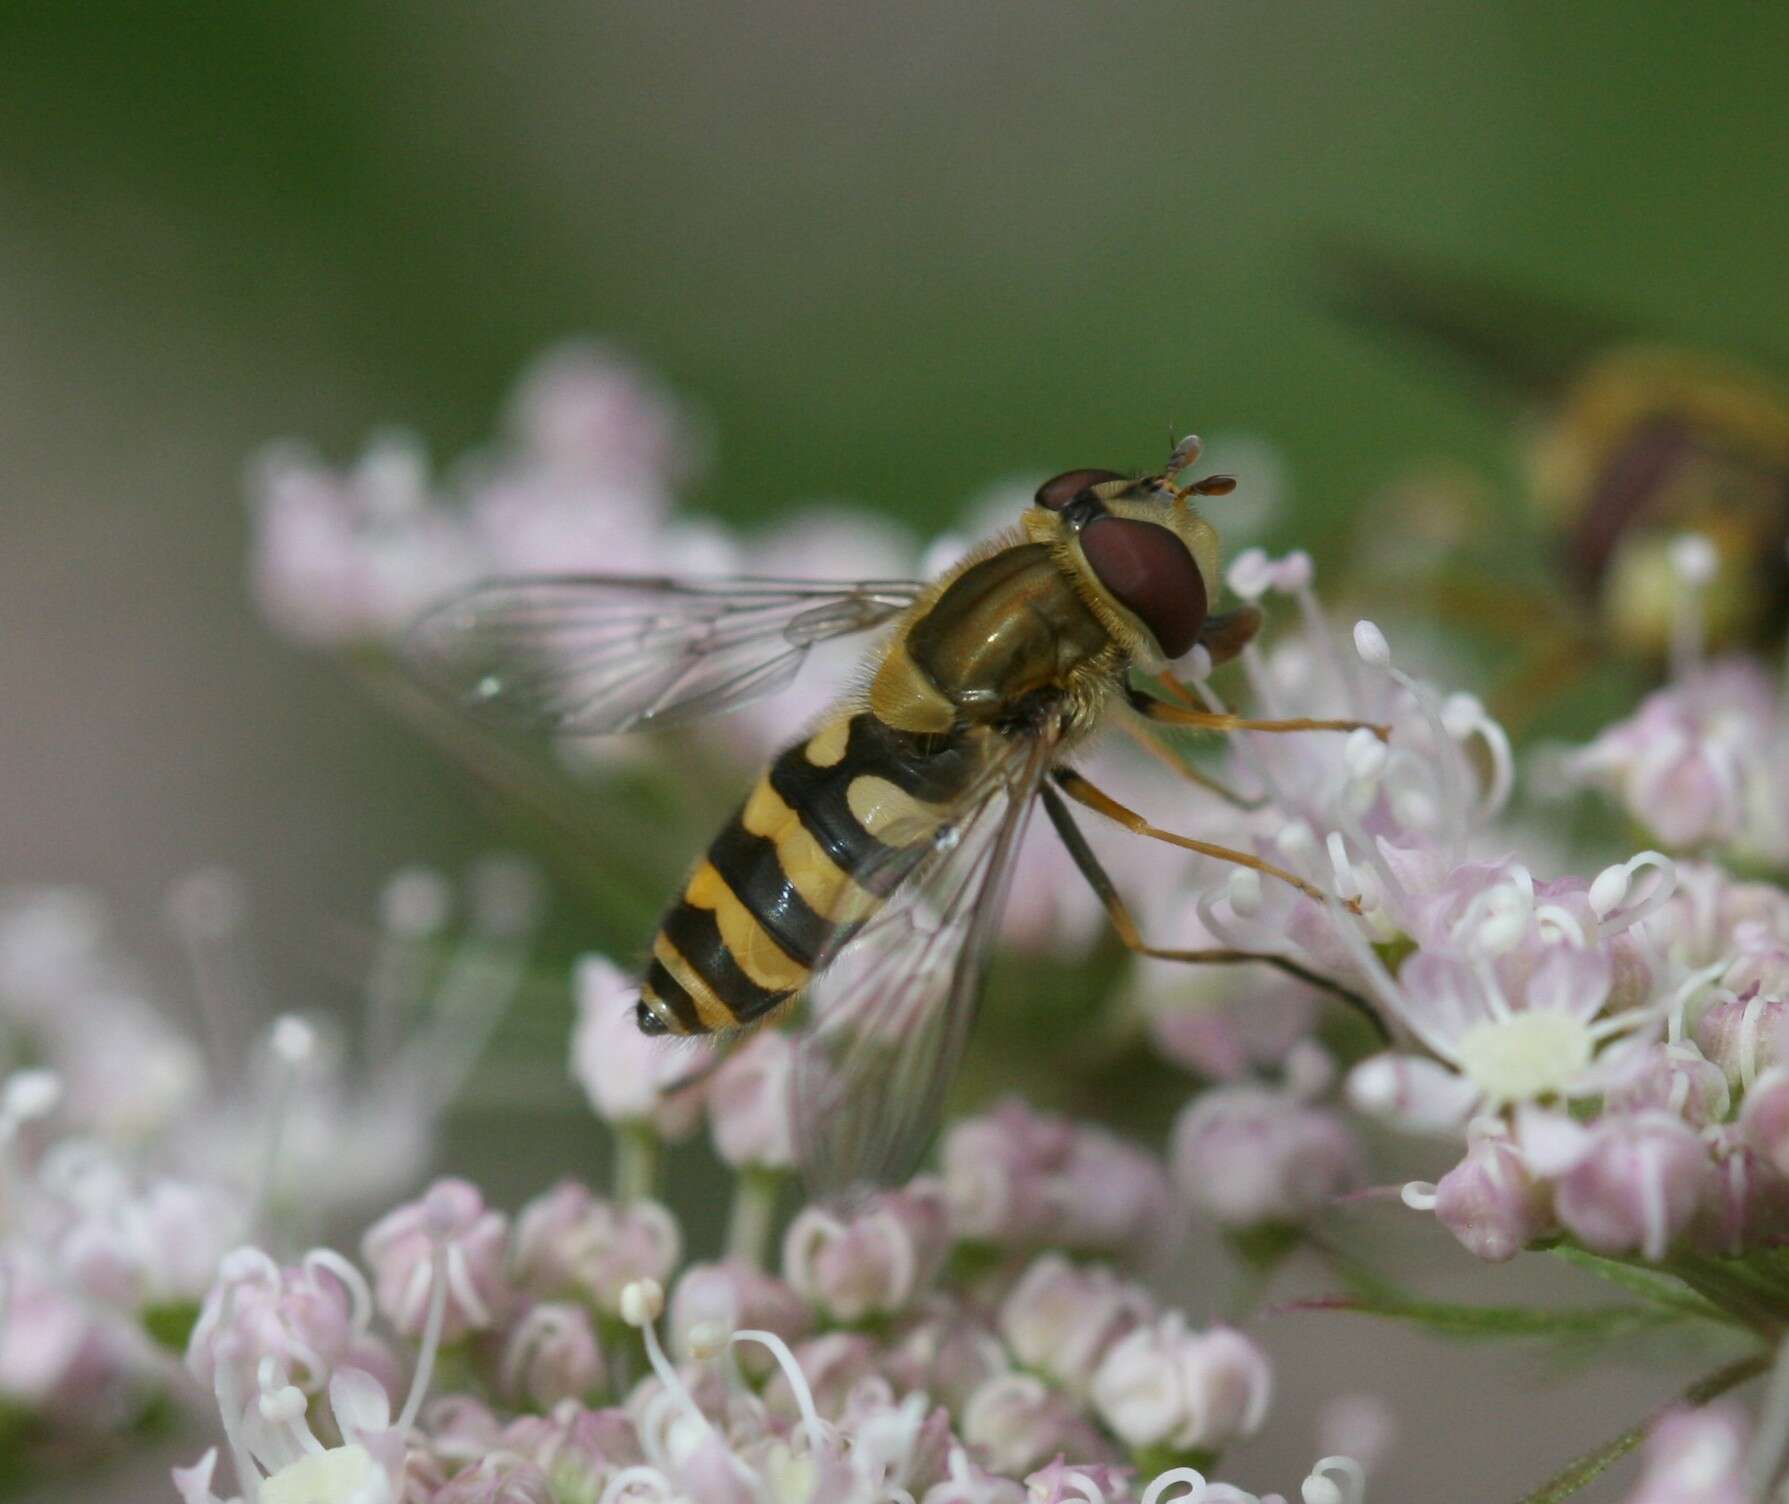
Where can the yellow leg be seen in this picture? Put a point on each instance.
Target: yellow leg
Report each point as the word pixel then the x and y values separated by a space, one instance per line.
pixel 1125 926
pixel 1084 792
pixel 1174 763
pixel 1205 720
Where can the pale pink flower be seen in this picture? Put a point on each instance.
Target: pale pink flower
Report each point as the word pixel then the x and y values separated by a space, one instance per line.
pixel 571 1243
pixel 551 1354
pixel 585 408
pixel 969 1483
pixel 1633 1183
pixel 311 1318
pixel 1697 763
pixel 831 1366
pixel 447 1246
pixel 1764 1118
pixel 1747 1203
pixel 1015 1422
pixel 732 1295
pixel 1060 1319
pixel 947 1354
pixel 57 1358
pixel 498 1479
pixel 342 557
pixel 1247 1155
pixel 1017 1178
pixel 874 1262
pixel 1165 1385
pixel 1673 1078
pixel 1491 1201
pixel 1696 1456
pixel 748 1099
pixel 624 1073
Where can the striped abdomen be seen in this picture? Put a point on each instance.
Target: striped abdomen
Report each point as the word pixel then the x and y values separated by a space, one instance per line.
pixel 800 859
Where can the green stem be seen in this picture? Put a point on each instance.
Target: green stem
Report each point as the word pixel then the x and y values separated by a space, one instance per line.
pixel 636 1163
pixel 1585 1470
pixel 753 1217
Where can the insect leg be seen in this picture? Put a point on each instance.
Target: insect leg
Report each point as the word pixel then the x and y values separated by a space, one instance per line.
pixel 1096 799
pixel 1174 763
pixel 1126 926
pixel 1153 709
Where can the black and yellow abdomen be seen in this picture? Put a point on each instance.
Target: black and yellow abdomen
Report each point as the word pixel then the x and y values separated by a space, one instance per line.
pixel 827 833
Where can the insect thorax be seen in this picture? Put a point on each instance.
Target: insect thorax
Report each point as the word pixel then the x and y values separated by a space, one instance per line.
pixel 1006 631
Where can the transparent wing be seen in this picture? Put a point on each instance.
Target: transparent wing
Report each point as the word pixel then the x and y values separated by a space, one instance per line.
pixel 595 655
pixel 893 1003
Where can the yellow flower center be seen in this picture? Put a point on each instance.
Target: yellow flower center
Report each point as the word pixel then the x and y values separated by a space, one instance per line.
pixel 342 1475
pixel 1526 1055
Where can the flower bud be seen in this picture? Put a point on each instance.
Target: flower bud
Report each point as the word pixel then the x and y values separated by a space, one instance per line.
pixel 948 1356
pixel 749 1104
pixel 571 1243
pixel 551 1354
pixel 1244 1155
pixel 1696 1456
pixel 499 1479
pixel 1491 1201
pixel 1061 1318
pixel 1764 1118
pixel 1015 1422
pixel 875 1263
pixel 1672 1078
pixel 1637 1186
pixel 1017 1178
pixel 1166 1386
pixel 732 1295
pixel 402 1246
pixel 1743 1033
pixel 833 1365
pixel 310 1318
pixel 623 1072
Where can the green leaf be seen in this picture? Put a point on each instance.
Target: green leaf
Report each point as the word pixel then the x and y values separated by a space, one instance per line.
pixel 1651 1285
pixel 1470 1321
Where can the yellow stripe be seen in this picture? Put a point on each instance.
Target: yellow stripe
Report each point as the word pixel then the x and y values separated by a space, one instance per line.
pixel 758 955
pixel 710 1010
pixel 827 745
pixel 824 886
pixel 881 806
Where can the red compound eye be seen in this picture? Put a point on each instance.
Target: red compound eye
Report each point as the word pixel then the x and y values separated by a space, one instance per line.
pixel 1150 573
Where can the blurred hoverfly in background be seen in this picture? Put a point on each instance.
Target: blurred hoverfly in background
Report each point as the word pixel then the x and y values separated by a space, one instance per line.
pixel 1628 445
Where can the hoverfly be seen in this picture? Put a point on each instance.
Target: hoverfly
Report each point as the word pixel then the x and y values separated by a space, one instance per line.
pixel 872 857
pixel 1628 443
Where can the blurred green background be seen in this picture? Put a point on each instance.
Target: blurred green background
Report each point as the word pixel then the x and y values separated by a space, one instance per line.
pixel 895 252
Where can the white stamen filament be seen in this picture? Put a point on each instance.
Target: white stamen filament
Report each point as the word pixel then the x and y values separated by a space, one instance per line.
pixel 433 1326
pixel 1157 1492
pixel 413 910
pixel 1349 1488
pixel 642 1302
pixel 360 1295
pixel 231 1407
pixel 1419 1195
pixel 291 1044
pixel 794 1377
